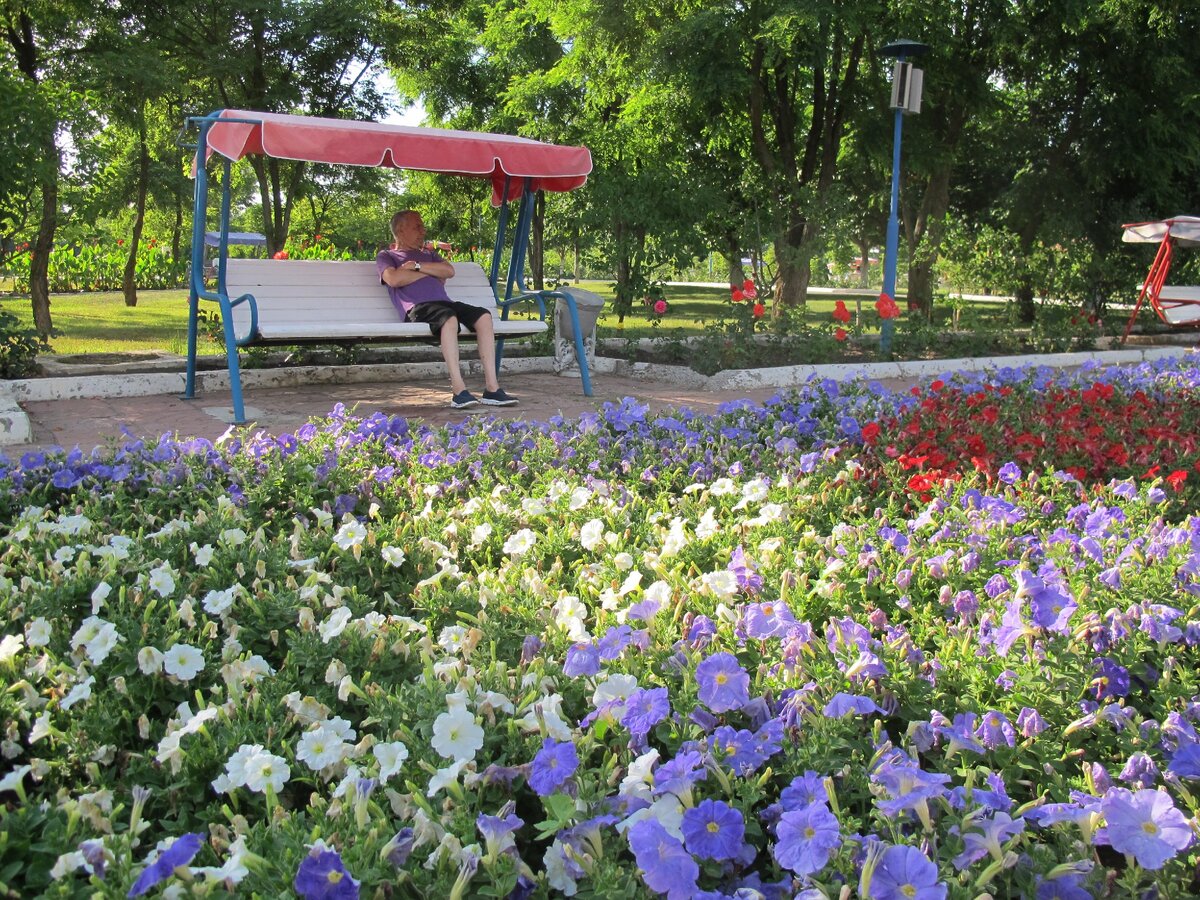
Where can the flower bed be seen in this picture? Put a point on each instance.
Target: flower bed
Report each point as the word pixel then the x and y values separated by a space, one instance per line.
pixel 625 655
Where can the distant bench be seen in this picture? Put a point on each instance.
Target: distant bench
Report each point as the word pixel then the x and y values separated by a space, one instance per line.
pixel 275 302
pixel 1179 304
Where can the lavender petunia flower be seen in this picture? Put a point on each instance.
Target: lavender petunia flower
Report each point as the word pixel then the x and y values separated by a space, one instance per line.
pixel 903 873
pixel 996 731
pixel 1065 887
pixel 583 659
pixel 807 838
pixel 554 764
pixel 1186 762
pixel 713 830
pixel 644 709
pixel 666 867
pixel 1030 722
pixel 724 684
pixel 1144 824
pixel 804 789
pixel 1140 771
pixel 846 704
pixel 989 839
pixel 322 876
pixel 747 576
pixel 180 853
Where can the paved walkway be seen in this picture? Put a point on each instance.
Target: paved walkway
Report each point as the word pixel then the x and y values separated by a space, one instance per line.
pixel 91 422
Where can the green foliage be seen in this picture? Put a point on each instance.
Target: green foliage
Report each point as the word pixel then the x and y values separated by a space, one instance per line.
pixel 19 347
pixel 99 264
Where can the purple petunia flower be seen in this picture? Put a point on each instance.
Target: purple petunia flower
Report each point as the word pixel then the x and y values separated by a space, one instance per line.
pixel 724 684
pixel 666 867
pixel 804 789
pixel 1112 680
pixel 1145 824
pixel 554 764
pixel 180 853
pixel 996 731
pixel 1030 722
pixel 766 620
pixel 614 642
pixel 1009 473
pixel 747 576
pixel 322 876
pixel 960 734
pixel 1186 762
pixel 1065 887
pixel 583 659
pixel 1140 771
pixel 903 873
pixel 498 830
pixel 989 839
pixel 713 829
pixel 807 838
pixel 846 704
pixel 644 709
pixel 678 774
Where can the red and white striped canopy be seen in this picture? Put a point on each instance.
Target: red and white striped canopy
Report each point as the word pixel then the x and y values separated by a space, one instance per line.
pixel 551 167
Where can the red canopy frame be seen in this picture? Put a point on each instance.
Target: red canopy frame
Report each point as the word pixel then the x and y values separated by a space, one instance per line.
pixel 1178 306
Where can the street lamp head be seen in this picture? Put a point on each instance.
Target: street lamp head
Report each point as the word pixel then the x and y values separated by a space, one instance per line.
pixel 903 48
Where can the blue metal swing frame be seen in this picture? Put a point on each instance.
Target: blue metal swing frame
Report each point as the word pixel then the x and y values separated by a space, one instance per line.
pixel 514 288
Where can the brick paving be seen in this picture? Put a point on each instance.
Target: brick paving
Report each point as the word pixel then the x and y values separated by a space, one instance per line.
pixel 88 423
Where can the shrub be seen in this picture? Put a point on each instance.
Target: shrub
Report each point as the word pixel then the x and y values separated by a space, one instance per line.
pixel 19 347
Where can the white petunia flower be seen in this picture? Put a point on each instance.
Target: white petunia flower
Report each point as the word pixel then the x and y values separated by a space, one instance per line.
pixel 639 779
pixel 10 781
pixel 391 757
pixel 591 535
pixel 579 498
pixel 707 526
pixel 233 537
pixel 99 595
pixel 351 535
pixel 37 632
pixel 321 747
pixel 452 637
pixel 722 487
pixel 217 603
pixel 722 584
pixel 10 646
pixel 150 660
pixel 235 868
pixel 442 778
pixel 393 556
pixel 335 624
pixel 520 542
pixel 64 555
pixel 100 646
pixel 623 561
pixel 162 580
pixel 614 687
pixel 479 534
pixel 88 629
pixel 183 661
pixel 456 735
pixel 266 770
pixel 81 691
pixel 202 555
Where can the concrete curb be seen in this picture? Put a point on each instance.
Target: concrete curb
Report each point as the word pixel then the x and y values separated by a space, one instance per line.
pixel 15 427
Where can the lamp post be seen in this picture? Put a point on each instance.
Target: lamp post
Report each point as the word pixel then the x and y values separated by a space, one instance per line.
pixel 906 97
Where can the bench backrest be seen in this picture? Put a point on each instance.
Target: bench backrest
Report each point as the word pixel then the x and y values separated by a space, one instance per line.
pixel 311 292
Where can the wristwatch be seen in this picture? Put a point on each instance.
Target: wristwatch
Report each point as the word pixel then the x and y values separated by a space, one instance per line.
pixel 416 267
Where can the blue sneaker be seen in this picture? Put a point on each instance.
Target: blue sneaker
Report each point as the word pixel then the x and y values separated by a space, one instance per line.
pixel 498 398
pixel 463 400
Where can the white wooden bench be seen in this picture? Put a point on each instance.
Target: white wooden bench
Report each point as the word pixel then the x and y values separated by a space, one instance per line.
pixel 330 301
pixel 340 301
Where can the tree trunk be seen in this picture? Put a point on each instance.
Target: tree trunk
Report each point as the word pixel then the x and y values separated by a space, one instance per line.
pixel 733 256
pixel 129 279
pixel 925 240
pixel 39 263
pixel 795 269
pixel 920 285
pixel 537 242
pixel 864 270
pixel 575 249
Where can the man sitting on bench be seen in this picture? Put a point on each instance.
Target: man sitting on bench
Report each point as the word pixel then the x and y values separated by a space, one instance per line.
pixel 415 278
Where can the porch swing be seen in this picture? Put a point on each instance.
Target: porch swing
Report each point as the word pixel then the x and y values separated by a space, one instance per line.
pixel 1177 305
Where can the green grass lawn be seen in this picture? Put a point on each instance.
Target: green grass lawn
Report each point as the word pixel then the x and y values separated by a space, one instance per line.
pixel 102 323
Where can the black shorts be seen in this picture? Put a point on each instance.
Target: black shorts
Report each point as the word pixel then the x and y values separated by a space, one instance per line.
pixel 435 313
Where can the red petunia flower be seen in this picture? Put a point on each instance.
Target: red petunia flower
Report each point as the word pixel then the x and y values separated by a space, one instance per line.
pixel 870 432
pixel 281 254
pixel 840 334
pixel 1177 478
pixel 749 289
pixel 840 313
pixel 759 310
pixel 736 295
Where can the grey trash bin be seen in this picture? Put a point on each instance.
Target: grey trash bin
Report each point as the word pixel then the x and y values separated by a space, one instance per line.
pixel 588 306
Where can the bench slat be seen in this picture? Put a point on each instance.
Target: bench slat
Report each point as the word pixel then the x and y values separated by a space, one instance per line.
pixel 340 300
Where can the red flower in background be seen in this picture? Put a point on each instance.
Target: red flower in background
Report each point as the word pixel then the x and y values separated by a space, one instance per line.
pixel 840 334
pixel 840 313
pixel 736 295
pixel 280 254
pixel 886 307
pixel 749 289
pixel 660 306
pixel 759 310
pixel 1177 478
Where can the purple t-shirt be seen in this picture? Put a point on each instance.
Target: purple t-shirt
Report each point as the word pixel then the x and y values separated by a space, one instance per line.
pixel 422 290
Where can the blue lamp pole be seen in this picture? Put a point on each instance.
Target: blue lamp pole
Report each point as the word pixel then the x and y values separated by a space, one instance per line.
pixel 906 97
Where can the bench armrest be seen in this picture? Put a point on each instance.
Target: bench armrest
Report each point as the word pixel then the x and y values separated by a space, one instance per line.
pixel 223 300
pixel 536 296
